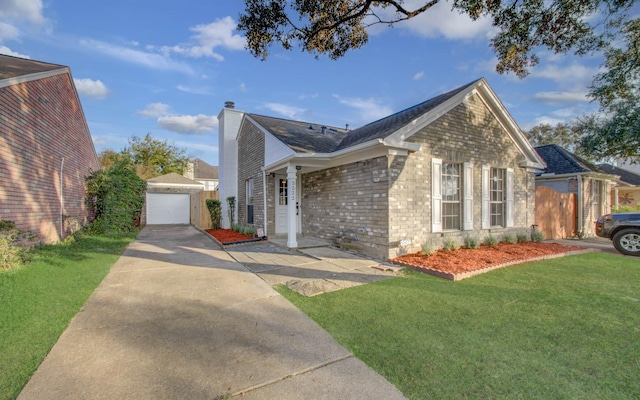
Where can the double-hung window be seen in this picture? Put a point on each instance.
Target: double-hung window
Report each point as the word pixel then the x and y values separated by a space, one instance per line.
pixel 497 197
pixel 451 178
pixel 451 195
pixel 249 192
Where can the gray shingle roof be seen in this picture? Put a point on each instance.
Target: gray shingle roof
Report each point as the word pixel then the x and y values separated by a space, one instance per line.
pixel 302 137
pixel 560 161
pixel 173 178
pixel 204 170
pixel 388 125
pixel 628 177
pixel 13 67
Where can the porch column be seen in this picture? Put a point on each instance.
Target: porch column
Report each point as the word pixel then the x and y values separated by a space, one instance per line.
pixel 292 220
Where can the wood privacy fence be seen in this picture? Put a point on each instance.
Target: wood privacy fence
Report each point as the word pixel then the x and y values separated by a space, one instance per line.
pixel 556 213
pixel 199 212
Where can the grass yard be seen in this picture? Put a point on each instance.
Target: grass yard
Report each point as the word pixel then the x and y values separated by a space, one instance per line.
pixel 38 301
pixel 563 328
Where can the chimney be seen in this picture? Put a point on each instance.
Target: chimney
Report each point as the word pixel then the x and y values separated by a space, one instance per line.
pixel 229 104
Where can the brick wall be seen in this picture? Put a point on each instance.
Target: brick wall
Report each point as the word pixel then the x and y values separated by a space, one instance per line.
pixel 250 162
pixel 468 133
pixel 42 123
pixel 348 205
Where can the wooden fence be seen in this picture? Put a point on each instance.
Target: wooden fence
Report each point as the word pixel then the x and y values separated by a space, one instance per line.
pixel 555 213
pixel 199 212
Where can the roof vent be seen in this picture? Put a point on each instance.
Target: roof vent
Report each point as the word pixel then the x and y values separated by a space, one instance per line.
pixel 310 126
pixel 229 104
pixel 324 128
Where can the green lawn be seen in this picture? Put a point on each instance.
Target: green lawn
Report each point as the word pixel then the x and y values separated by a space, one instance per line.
pixel 38 301
pixel 567 328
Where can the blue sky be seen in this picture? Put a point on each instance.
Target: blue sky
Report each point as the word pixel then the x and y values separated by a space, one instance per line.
pixel 166 68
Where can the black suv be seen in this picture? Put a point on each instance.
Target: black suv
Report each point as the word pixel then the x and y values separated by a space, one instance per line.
pixel 623 230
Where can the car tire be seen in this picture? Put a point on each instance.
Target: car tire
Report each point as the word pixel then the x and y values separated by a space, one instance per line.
pixel 627 241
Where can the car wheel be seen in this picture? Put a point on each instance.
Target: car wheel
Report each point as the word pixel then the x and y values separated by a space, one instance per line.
pixel 627 241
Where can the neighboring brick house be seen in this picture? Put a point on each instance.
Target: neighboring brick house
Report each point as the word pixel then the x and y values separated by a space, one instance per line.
pixel 45 149
pixel 454 165
pixel 568 173
pixel 627 191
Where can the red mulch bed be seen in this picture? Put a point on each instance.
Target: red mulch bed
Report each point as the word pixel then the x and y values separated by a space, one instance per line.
pixel 225 236
pixel 467 260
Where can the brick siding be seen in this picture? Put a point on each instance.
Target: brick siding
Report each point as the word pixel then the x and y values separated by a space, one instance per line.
pixel 42 123
pixel 251 144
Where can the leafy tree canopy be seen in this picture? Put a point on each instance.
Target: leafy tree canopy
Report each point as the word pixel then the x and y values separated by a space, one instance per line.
pixel 333 27
pixel 149 157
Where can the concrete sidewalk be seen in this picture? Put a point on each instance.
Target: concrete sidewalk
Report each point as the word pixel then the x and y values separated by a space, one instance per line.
pixel 178 318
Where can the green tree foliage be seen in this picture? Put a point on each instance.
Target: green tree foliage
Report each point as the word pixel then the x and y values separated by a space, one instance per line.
pixel 153 157
pixel 108 157
pixel 564 135
pixel 215 212
pixel 116 195
pixel 333 27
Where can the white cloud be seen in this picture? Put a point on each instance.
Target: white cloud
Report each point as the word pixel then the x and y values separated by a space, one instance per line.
pixel 441 21
pixel 188 124
pixel 154 110
pixel 564 74
pixel 192 90
pixel 418 76
pixel 290 112
pixel 8 32
pixel 90 88
pixel 208 37
pixel 7 51
pixel 27 10
pixel 561 97
pixel 370 109
pixel 145 59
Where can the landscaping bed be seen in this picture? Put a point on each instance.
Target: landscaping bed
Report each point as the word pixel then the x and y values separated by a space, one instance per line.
pixel 464 262
pixel 229 237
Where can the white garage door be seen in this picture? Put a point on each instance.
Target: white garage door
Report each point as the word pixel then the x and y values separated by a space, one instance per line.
pixel 167 208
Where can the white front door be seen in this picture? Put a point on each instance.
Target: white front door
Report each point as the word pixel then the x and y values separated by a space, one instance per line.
pixel 281 205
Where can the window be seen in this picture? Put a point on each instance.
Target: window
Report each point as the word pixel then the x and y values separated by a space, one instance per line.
pixel 595 198
pixel 451 195
pixel 497 196
pixel 282 197
pixel 249 193
pixel 451 177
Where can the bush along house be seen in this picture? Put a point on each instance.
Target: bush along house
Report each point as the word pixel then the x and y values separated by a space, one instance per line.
pixel 454 165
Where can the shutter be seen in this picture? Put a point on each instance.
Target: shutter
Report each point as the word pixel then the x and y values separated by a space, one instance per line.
pixel 486 216
pixel 510 202
pixel 436 195
pixel 467 181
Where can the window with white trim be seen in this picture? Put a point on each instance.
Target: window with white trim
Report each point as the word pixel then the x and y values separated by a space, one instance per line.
pixel 497 196
pixel 451 202
pixel 249 192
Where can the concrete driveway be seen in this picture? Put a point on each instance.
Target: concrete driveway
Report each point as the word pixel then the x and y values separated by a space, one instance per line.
pixel 178 318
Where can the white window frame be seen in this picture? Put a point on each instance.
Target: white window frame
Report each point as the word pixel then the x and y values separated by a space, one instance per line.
pixel 509 200
pixel 436 195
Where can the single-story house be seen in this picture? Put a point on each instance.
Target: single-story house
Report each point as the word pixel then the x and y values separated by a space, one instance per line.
pixel 454 165
pixel 569 173
pixel 627 191
pixel 203 172
pixel 168 199
pixel 45 149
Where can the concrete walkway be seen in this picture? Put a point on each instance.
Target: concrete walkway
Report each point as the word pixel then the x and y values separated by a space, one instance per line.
pixel 178 318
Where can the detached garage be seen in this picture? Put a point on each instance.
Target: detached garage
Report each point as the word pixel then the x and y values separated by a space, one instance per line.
pixel 168 199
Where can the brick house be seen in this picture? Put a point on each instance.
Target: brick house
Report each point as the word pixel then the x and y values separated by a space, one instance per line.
pixel 45 149
pixel 454 165
pixel 569 173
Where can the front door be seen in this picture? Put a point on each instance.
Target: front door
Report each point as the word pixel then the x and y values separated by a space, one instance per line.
pixel 282 204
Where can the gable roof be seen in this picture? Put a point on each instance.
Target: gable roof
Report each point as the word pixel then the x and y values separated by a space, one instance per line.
pixel 15 70
pixel 626 176
pixel 560 161
pixel 204 170
pixel 302 137
pixel 174 179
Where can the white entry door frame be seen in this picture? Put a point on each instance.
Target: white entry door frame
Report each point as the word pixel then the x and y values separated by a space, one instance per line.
pixel 282 200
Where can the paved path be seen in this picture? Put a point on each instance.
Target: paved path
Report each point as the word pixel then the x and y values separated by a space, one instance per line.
pixel 177 318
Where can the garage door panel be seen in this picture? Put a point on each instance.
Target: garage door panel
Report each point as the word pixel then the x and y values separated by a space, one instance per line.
pixel 168 208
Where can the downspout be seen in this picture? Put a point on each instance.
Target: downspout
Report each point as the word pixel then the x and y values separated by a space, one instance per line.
pixel 264 200
pixel 61 198
pixel 580 205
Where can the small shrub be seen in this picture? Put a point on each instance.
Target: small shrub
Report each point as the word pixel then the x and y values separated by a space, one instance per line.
pixel 508 238
pixel 12 255
pixel 215 212
pixel 451 244
pixel 250 231
pixel 490 241
pixel 231 201
pixel 537 236
pixel 471 242
pixel 522 237
pixel 428 249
